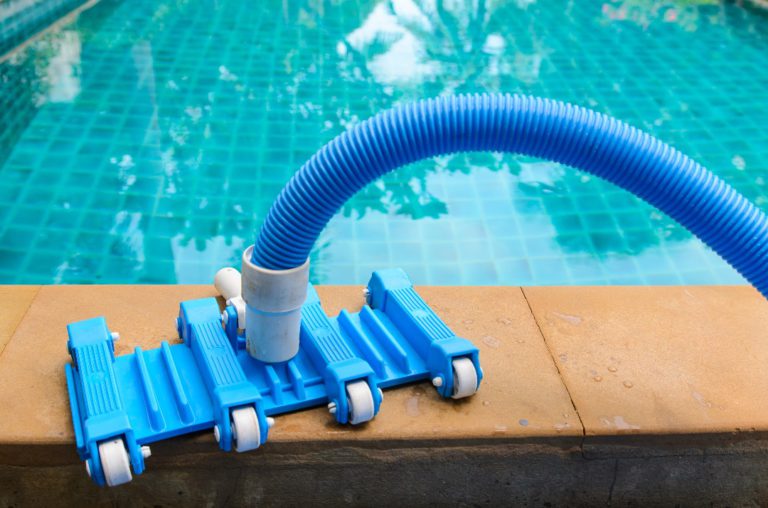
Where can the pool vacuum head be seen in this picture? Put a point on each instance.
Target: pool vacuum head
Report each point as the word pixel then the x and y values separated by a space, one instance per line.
pixel 211 380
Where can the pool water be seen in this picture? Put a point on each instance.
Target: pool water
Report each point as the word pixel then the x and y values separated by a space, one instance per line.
pixel 145 141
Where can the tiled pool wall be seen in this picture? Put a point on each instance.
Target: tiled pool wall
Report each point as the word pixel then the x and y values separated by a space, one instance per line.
pixel 22 19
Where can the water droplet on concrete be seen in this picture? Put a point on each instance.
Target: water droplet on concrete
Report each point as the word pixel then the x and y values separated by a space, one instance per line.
pixel 491 341
pixel 629 384
pixel 598 378
pixel 523 422
pixel 486 402
pixel 611 368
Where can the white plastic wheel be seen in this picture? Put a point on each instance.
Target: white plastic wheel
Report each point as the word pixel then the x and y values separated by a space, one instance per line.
pixel 114 462
pixel 360 400
pixel 464 378
pixel 246 433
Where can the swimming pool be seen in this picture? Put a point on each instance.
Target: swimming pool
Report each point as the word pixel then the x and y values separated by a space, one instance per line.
pixel 144 142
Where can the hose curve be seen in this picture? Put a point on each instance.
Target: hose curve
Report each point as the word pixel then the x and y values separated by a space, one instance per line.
pixel 572 135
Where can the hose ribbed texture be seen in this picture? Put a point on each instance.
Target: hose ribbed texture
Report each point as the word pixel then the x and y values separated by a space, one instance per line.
pixel 564 133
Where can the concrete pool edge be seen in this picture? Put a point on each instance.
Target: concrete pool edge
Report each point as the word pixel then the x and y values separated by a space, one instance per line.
pixel 574 375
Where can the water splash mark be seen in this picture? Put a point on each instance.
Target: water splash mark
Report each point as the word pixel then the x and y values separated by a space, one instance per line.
pixel 619 423
pixel 701 399
pixel 568 318
pixel 412 406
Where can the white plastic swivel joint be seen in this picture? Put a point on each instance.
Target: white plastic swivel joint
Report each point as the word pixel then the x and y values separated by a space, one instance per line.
pixel 229 285
pixel 273 300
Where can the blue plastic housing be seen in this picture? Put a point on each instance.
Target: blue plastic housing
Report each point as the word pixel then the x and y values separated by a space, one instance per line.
pixel 148 396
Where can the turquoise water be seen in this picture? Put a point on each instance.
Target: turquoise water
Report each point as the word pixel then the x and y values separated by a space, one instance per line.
pixel 144 142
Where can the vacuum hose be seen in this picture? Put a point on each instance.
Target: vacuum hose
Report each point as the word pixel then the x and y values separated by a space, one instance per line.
pixel 678 186
pixel 276 268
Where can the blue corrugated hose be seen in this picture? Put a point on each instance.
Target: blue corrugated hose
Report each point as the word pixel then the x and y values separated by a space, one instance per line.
pixel 712 210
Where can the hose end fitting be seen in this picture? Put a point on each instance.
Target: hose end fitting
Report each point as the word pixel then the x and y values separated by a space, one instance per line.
pixel 273 300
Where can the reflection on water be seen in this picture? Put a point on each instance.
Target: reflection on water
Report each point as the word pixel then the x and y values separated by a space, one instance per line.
pixel 146 141
pixel 62 73
pixel 686 15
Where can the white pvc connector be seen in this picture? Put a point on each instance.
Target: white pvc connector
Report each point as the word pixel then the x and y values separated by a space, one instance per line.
pixel 273 300
pixel 228 283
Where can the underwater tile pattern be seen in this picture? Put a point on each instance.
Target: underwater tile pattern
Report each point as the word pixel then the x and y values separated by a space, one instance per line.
pixel 145 142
